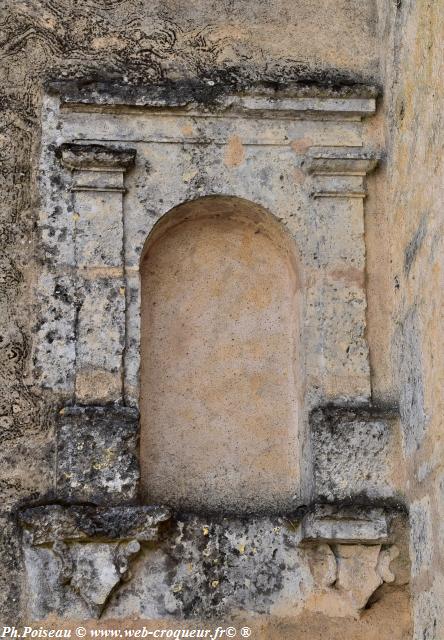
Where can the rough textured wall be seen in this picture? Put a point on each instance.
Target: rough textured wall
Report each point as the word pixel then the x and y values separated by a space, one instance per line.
pixel 227 42
pixel 413 71
pixel 139 41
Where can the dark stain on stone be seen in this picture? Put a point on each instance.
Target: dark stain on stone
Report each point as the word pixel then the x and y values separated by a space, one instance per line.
pixel 415 245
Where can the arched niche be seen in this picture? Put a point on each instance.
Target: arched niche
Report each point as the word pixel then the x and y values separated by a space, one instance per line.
pixel 221 370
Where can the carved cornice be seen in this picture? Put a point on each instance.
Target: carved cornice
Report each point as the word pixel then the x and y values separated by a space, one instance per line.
pixel 340 161
pixel 211 98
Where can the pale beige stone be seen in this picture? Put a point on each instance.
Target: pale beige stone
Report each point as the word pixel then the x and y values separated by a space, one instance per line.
pixel 221 376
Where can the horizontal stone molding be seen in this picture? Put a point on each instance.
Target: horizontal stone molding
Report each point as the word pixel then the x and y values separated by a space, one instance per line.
pixel 209 98
pixel 54 523
pixel 96 157
pixel 344 525
pixel 301 105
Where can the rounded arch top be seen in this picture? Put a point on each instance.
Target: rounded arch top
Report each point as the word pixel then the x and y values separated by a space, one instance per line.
pixel 230 207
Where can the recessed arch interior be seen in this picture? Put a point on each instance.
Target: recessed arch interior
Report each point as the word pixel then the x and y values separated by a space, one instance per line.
pixel 221 370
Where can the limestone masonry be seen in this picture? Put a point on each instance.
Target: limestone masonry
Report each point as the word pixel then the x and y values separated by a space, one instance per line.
pixel 221 359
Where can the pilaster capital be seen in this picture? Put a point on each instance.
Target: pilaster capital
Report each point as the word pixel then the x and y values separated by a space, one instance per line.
pixel 339 171
pixel 96 167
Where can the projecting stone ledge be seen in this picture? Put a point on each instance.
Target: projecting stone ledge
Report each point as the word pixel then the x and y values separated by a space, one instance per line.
pixel 80 561
pixel 340 161
pixel 96 156
pixel 345 525
pixel 339 171
pixel 54 523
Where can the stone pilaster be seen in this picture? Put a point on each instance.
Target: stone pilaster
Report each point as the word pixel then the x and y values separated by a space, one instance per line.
pixel 98 187
pixel 336 291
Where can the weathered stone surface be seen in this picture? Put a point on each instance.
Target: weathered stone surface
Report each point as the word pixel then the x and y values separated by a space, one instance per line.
pixel 76 578
pixel 199 52
pixel 292 97
pixel 97 457
pixel 96 570
pixel 347 576
pixel 346 525
pixel 354 454
pixel 82 550
pixel 337 161
pixel 242 159
pixel 357 577
pixel 99 228
pixel 190 566
pixel 53 523
pixel 96 156
pixel 100 340
pixel 420 536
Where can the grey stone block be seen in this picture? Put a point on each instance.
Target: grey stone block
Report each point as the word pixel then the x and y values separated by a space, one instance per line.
pixel 354 451
pixel 54 523
pixel 96 156
pixel 348 525
pixel 97 458
pixel 77 556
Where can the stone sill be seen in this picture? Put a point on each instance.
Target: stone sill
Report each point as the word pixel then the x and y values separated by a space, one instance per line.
pixel 323 524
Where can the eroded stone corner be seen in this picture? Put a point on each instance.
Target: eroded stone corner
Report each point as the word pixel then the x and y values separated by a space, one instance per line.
pixel 83 552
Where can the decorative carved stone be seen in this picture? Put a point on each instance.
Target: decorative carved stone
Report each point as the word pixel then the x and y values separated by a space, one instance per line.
pixel 346 576
pixel 88 548
pixel 97 569
pixel 98 172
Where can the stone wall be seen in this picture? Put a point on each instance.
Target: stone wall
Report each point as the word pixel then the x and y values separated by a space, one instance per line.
pixel 340 568
pixel 412 67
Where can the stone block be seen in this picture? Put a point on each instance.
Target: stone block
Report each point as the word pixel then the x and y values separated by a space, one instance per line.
pixel 52 523
pixel 338 355
pixel 97 458
pixel 54 351
pixel 347 525
pixel 100 341
pixel 77 556
pixel 99 228
pixel 354 453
